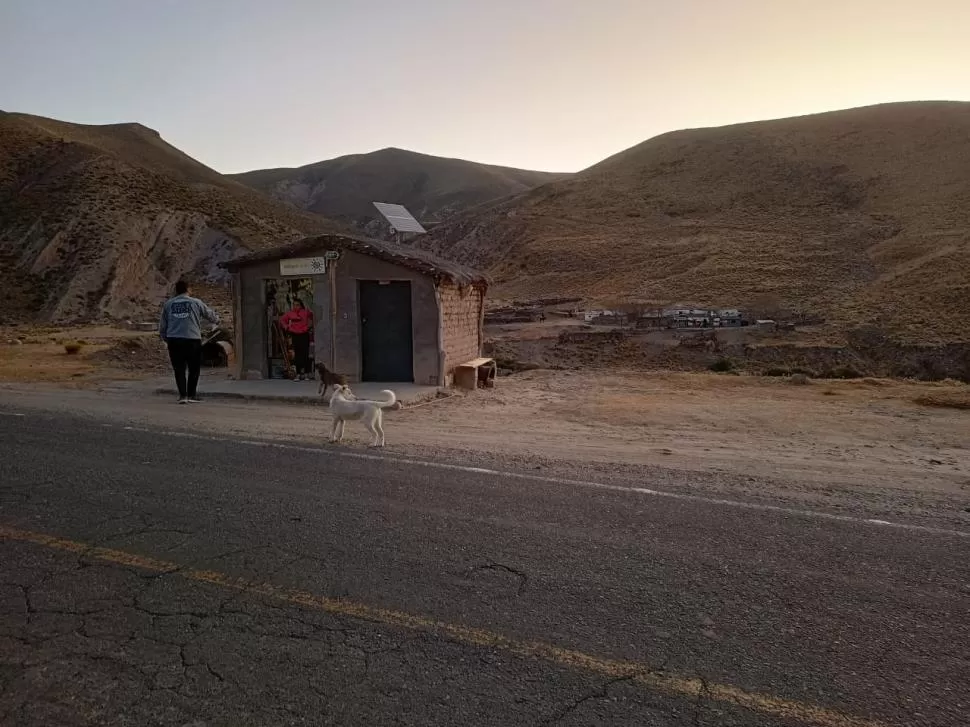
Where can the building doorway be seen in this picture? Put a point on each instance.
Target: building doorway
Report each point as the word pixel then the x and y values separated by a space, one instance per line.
pixel 281 297
pixel 386 343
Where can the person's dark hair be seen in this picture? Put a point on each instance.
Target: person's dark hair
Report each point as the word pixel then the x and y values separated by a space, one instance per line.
pixel 181 288
pixel 298 302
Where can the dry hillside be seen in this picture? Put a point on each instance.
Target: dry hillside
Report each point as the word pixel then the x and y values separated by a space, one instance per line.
pixel 99 220
pixel 861 216
pixel 432 188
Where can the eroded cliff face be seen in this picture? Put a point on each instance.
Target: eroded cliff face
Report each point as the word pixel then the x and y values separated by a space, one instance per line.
pixel 99 221
pixel 121 271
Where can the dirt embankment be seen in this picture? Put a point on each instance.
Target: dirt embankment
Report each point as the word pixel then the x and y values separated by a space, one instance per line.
pixel 866 352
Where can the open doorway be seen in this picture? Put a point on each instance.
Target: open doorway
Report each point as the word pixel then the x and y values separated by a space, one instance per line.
pixel 287 349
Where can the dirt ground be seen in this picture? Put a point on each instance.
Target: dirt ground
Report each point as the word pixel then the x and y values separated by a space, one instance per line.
pixel 40 354
pixel 849 431
pixel 830 442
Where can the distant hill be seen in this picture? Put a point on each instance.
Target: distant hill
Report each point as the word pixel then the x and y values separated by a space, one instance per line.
pixel 432 188
pixel 100 220
pixel 859 216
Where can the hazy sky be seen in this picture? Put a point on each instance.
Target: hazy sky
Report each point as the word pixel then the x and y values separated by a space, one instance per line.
pixel 543 84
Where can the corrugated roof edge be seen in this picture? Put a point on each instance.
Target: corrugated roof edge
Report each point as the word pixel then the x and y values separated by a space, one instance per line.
pixel 412 258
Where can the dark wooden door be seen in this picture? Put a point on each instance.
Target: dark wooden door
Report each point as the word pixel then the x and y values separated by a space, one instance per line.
pixel 387 349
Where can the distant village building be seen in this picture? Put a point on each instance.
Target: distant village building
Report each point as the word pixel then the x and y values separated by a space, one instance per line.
pixel 602 317
pixel 702 318
pixel 729 318
pixel 650 319
pixel 669 318
pixel 689 318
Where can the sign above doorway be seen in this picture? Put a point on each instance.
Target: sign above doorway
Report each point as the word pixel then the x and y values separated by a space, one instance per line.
pixel 303 266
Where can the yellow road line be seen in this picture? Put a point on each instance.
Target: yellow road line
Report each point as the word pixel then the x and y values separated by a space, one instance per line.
pixel 669 684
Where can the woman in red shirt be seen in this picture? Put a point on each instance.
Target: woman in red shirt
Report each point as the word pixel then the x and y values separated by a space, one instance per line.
pixel 297 322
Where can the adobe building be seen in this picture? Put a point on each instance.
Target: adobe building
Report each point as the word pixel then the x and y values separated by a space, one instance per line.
pixel 381 311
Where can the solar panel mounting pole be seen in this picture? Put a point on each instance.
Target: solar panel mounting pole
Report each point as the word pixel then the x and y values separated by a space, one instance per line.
pixel 332 283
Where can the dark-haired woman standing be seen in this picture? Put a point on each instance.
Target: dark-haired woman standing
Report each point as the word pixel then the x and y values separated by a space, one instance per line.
pixel 297 322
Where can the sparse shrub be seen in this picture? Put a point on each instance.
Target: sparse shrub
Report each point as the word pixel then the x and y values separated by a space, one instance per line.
pixel 805 372
pixel 73 348
pixel 798 379
pixel 510 365
pixel 775 371
pixel 841 372
pixel 945 400
pixel 722 365
pixel 931 370
pixel 847 372
pixel 964 374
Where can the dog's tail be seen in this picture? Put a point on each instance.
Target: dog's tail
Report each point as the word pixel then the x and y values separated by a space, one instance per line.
pixel 390 399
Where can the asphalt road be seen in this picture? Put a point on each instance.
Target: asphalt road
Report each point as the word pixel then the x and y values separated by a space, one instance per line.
pixel 154 579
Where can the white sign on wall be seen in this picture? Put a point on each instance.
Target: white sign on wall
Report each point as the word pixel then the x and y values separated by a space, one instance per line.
pixel 303 266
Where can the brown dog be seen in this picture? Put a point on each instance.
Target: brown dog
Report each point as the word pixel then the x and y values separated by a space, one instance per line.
pixel 328 378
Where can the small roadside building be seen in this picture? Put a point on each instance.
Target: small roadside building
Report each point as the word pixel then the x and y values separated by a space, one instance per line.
pixel 381 311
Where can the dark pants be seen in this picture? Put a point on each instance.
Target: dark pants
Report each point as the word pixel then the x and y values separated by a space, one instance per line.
pixel 301 352
pixel 186 353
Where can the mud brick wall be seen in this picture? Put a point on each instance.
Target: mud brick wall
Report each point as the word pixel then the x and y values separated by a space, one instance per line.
pixel 461 316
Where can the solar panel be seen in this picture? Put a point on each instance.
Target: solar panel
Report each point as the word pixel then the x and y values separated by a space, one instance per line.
pixel 399 218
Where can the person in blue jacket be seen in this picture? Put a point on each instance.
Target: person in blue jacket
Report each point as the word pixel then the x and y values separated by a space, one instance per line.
pixel 180 328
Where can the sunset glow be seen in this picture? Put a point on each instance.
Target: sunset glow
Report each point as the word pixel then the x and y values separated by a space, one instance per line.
pixel 545 84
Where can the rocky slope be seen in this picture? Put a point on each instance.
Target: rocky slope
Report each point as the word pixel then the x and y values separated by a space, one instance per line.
pixel 98 221
pixel 858 217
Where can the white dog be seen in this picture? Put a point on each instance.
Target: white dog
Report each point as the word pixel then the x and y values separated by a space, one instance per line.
pixel 344 406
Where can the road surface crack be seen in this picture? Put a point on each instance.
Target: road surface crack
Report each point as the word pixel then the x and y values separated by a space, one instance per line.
pixel 601 692
pixel 29 609
pixel 369 654
pixel 702 695
pixel 523 578
pixel 213 672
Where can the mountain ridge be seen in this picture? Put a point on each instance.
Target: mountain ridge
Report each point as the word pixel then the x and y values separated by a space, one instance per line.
pixel 861 217
pixel 858 217
pixel 433 188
